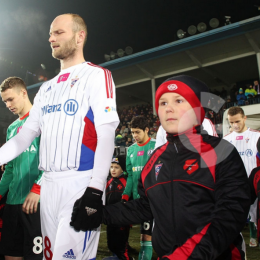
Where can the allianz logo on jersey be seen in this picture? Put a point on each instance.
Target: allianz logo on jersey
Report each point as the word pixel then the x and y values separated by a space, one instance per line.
pixel 248 153
pixel 70 108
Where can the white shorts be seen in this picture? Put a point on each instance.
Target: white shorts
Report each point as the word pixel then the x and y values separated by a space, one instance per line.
pixel 59 191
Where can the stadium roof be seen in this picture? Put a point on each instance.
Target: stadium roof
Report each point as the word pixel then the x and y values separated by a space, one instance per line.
pixel 219 57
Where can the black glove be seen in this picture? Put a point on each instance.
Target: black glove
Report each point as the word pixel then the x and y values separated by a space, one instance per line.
pixel 87 211
pixel 123 200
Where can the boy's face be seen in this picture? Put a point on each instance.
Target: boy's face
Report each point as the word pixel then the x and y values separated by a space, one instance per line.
pixel 175 113
pixel 115 170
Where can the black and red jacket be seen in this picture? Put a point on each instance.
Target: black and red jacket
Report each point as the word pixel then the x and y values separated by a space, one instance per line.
pixel 254 182
pixel 114 189
pixel 196 188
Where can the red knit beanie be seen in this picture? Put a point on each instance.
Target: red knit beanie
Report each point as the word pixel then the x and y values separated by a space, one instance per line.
pixel 193 90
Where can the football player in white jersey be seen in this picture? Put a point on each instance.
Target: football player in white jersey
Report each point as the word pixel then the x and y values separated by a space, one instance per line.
pixel 75 112
pixel 207 125
pixel 244 139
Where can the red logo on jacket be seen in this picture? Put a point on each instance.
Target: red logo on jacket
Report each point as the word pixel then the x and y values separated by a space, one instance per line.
pixel 119 186
pixel 191 166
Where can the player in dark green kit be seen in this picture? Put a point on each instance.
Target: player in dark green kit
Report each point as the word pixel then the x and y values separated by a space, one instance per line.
pixel 137 156
pixel 21 235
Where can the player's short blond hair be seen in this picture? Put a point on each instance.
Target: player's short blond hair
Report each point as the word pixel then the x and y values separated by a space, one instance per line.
pixel 79 25
pixel 236 110
pixel 12 82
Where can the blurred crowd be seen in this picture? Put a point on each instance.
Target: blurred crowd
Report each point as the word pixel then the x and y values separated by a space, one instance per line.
pixel 123 133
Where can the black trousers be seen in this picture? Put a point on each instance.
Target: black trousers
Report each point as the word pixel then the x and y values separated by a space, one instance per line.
pixel 117 241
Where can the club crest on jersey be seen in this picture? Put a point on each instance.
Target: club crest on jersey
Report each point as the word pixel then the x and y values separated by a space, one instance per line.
pixel 73 81
pixel 119 186
pixel 157 169
pixel 191 166
pixel 172 87
pixel 150 152
pixel 63 77
pixel 247 139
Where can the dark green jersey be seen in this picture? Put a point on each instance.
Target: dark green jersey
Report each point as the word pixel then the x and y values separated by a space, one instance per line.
pixel 137 156
pixel 22 172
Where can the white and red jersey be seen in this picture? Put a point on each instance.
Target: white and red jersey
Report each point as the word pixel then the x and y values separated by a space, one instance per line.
pixel 66 111
pixel 246 146
pixel 207 125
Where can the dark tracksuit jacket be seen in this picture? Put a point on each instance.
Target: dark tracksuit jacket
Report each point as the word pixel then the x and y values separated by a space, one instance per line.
pixel 254 182
pixel 196 188
pixel 117 235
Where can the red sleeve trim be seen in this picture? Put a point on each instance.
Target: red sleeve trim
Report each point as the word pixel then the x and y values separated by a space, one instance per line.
pixel 108 79
pixel 36 188
pixel 125 197
pixel 108 183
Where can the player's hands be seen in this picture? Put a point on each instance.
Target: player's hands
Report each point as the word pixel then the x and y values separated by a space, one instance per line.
pixel 31 203
pixel 123 200
pixel 87 210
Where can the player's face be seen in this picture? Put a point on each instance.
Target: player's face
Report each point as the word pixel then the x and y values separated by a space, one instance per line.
pixel 238 123
pixel 175 113
pixel 62 38
pixel 140 135
pixel 115 170
pixel 14 99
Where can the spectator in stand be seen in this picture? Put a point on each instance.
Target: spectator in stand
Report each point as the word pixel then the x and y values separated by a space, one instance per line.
pixel 129 142
pixel 256 87
pixel 241 98
pixel 233 93
pixel 152 133
pixel 250 94
pixel 120 141
pixel 223 93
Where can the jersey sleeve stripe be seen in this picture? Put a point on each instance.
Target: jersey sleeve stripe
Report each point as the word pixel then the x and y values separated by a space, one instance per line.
pixel 213 128
pixel 108 79
pixel 89 143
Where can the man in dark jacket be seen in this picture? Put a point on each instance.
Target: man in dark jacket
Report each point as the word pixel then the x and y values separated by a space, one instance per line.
pixel 195 186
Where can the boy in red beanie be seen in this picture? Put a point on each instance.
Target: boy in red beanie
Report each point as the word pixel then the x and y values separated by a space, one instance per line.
pixel 254 182
pixel 195 186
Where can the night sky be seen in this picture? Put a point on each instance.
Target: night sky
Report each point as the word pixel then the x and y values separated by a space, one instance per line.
pixel 113 24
